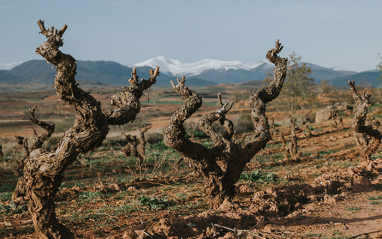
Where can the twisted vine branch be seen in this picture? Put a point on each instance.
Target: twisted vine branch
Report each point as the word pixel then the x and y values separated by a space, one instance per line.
pixel 43 171
pixel 222 164
pixel 372 134
pixel 19 194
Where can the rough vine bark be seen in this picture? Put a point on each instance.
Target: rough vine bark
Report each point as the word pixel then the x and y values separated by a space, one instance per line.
pixel 43 170
pixel 371 135
pixel 19 194
pixel 222 164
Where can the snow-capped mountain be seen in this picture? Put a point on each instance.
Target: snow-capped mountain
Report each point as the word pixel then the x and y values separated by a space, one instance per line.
pixel 8 66
pixel 232 71
pixel 202 73
pixel 178 68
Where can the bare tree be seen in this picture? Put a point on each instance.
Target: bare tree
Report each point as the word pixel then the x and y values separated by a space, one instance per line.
pixel 292 149
pixel 136 146
pixel 370 133
pixel 340 123
pixel 222 164
pixel 43 170
pixel 298 86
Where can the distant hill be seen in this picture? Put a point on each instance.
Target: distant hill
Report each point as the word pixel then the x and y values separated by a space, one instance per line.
pixel 365 78
pixel 164 79
pixel 237 75
pixel 91 72
pixel 319 73
pixel 237 72
pixel 206 72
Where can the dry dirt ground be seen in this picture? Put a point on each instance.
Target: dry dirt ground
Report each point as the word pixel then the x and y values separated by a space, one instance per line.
pixel 323 193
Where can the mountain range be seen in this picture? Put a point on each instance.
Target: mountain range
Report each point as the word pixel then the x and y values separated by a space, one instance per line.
pixel 238 72
pixel 202 73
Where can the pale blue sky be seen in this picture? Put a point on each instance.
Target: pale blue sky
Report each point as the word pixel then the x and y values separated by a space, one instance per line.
pixel 341 33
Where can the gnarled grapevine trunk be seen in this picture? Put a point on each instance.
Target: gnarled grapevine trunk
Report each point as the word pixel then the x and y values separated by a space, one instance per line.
pixel 19 194
pixel 292 149
pixel 222 164
pixel 43 170
pixel 370 135
pixel 136 146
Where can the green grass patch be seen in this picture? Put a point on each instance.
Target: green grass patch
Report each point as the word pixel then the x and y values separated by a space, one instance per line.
pixel 315 235
pixel 154 203
pixel 330 151
pixel 258 176
pixel 7 188
pixel 353 208
pixel 273 146
pixel 128 208
pixel 375 198
pixel 197 134
pixel 5 196
pixel 90 195
pixel 159 146
pixel 376 156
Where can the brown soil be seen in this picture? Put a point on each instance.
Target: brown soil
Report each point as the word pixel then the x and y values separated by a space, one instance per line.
pixel 321 194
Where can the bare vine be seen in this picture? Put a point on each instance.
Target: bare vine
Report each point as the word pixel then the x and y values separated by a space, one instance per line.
pixel 222 164
pixel 43 170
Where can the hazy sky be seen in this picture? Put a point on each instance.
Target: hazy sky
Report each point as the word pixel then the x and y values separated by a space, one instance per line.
pixel 341 33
